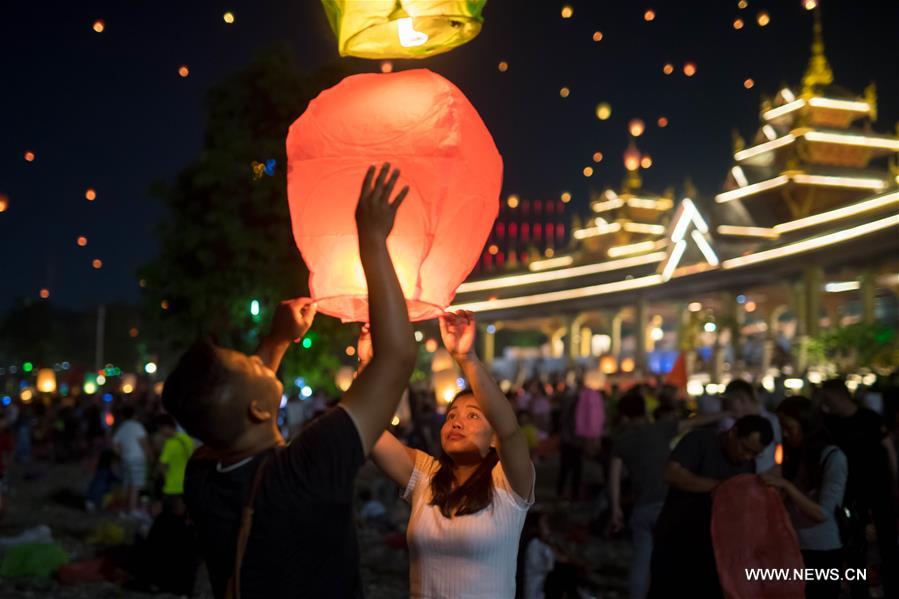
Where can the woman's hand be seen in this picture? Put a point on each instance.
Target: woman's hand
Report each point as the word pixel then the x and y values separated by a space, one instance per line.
pixel 375 213
pixel 458 333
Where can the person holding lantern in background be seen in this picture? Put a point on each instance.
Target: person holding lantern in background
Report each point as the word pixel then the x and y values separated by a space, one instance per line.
pixel 468 505
pixel 301 540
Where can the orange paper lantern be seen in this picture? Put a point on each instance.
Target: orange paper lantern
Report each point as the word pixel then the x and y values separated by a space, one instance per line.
pixel 423 125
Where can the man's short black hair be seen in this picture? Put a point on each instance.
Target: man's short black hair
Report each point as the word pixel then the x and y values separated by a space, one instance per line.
pixel 195 393
pixel 754 423
pixel 739 387
pixel 632 404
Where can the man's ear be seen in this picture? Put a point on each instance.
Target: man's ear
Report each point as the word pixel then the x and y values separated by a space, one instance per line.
pixel 259 412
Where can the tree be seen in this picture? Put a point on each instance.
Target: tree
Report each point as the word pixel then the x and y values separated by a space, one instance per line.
pixel 227 238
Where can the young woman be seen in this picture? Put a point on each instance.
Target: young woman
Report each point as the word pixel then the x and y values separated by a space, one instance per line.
pixel 814 480
pixel 470 503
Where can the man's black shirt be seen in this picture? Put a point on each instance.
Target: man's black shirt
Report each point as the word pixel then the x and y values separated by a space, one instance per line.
pixel 303 540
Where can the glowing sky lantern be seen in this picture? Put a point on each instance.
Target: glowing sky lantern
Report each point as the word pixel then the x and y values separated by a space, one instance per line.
pixel 597 36
pixel 99 26
pixel 228 17
pixel 748 83
pixel 567 12
pixel 446 385
pixel 4 202
pixel 46 380
pixel 423 125
pixel 90 195
pixel 183 71
pixel 636 127
pixel 632 158
pixel 29 156
pixel 564 92
pixel 81 241
pixel 603 111
pixel 45 293
pixel 608 364
pixel 503 66
pixel 97 263
pixel 442 360
pixel 738 23
pixel 649 15
pixel 512 201
pixel 689 69
pixel 668 68
pixel 763 19
pixel 402 28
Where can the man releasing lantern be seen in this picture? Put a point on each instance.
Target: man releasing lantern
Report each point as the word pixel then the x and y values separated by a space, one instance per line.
pixel 423 125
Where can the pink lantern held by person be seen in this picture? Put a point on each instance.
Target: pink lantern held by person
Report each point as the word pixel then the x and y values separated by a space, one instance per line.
pixel 423 125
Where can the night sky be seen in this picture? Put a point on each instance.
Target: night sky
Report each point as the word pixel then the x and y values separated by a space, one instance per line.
pixel 109 111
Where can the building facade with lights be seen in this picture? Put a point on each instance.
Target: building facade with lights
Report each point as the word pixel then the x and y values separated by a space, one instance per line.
pixel 804 236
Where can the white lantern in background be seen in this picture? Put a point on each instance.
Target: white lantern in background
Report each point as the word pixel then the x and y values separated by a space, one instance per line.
pixel 46 380
pixel 445 385
pixel 344 377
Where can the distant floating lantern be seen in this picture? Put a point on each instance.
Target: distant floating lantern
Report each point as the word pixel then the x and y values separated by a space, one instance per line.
pixel 503 66
pixel 628 365
pixel 404 29
pixel 632 159
pixel 566 197
pixel 564 92
pixel 636 127
pixel 779 454
pixel 603 111
pixel 738 24
pixel 567 12
pixel 183 70
pixel 164 304
pixel 748 83
pixel 128 383
pixel 742 4
pixel 423 125
pixel 689 69
pixel 662 122
pixel 493 249
pixel 386 66
pixel 431 346
pixel 442 360
pixel 763 19
pixel 45 293
pixel 597 157
pixel 29 156
pixel 588 171
pixel 81 241
pixel 809 5
pixel 133 332
pixel 608 364
pixel 344 378
pixel 4 202
pixel 228 17
pixel 97 263
pixel 646 161
pixel 649 15
pixel 350 350
pixel 99 26
pixel 597 36
pixel 26 395
pixel 90 195
pixel 46 380
pixel 512 201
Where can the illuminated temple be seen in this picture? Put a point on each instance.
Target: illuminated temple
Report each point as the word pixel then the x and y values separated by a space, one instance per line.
pixel 803 237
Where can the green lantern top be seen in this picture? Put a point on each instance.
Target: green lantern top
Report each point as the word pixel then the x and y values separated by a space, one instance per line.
pixel 402 28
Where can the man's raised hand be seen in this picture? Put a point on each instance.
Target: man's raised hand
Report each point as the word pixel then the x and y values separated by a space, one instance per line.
pixel 375 213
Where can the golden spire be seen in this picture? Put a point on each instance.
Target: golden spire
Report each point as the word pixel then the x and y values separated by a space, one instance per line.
pixel 818 72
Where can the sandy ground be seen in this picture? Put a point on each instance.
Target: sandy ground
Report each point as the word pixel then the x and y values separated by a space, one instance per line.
pixel 50 494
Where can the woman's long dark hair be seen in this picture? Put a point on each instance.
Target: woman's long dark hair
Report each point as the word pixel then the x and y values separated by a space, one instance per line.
pixel 802 465
pixel 474 494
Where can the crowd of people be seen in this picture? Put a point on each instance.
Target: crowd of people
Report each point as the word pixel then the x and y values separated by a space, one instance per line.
pixel 220 470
